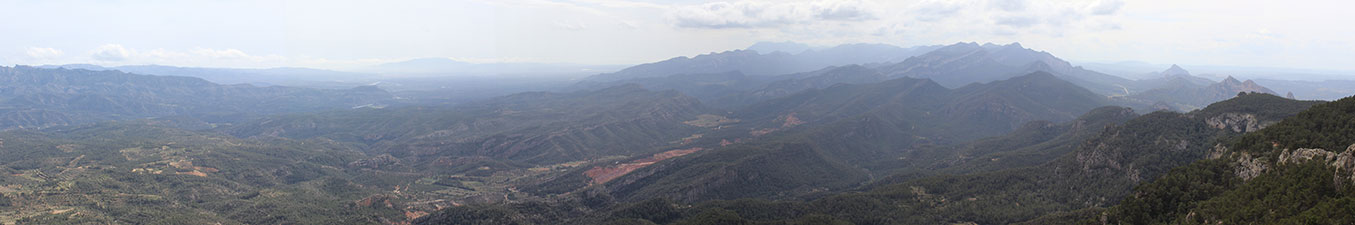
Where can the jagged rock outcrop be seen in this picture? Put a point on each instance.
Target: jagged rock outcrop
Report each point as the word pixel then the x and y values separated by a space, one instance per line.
pixel 1218 151
pixel 1249 167
pixel 1343 163
pixel 1238 122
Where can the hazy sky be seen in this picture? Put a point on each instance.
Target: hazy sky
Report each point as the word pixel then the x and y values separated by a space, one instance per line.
pixel 346 34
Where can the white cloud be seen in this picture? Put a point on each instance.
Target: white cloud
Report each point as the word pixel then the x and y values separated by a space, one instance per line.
pixel 1008 5
pixel 1014 17
pixel 222 54
pixel 199 56
pixel 43 53
pixel 754 14
pixel 935 10
pixel 573 26
pixel 638 31
pixel 1106 7
pixel 111 52
pixel 1018 21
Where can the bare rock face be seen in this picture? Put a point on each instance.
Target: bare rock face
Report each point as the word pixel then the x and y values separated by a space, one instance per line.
pixel 1237 122
pixel 1343 163
pixel 1218 151
pixel 1248 167
pixel 1304 154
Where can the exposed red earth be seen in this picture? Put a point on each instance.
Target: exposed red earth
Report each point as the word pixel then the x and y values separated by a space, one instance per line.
pixel 604 174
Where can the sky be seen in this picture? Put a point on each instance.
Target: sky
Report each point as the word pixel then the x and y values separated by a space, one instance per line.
pixel 342 34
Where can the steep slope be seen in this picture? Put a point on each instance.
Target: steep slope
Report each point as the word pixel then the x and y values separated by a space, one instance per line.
pixel 1101 168
pixel 1297 171
pixel 35 97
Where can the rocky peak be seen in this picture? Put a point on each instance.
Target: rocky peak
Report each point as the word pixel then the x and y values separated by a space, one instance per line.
pixel 1231 86
pixel 1249 83
pixel 1176 71
pixel 1289 95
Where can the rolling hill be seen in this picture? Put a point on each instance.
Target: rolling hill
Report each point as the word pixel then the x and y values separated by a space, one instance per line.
pixel 36 97
pixel 533 127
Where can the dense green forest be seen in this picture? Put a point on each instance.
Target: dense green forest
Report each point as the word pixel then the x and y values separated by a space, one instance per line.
pixel 1289 189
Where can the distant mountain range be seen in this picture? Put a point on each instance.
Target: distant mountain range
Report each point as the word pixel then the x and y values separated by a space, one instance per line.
pixel 287 76
pixel 755 63
pixel 950 66
pixel 424 67
pixel 964 63
pixel 1320 90
pixel 37 97
pixel 1178 89
pixel 771 47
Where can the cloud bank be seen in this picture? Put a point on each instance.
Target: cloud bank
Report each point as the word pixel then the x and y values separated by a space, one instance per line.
pixel 43 53
pixel 756 14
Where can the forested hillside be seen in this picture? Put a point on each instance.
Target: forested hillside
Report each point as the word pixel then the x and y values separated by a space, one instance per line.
pixel 1097 173
pixel 1297 171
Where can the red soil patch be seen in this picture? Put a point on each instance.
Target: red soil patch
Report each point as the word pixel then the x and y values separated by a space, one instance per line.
pixel 791 121
pixel 415 214
pixel 763 131
pixel 604 174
